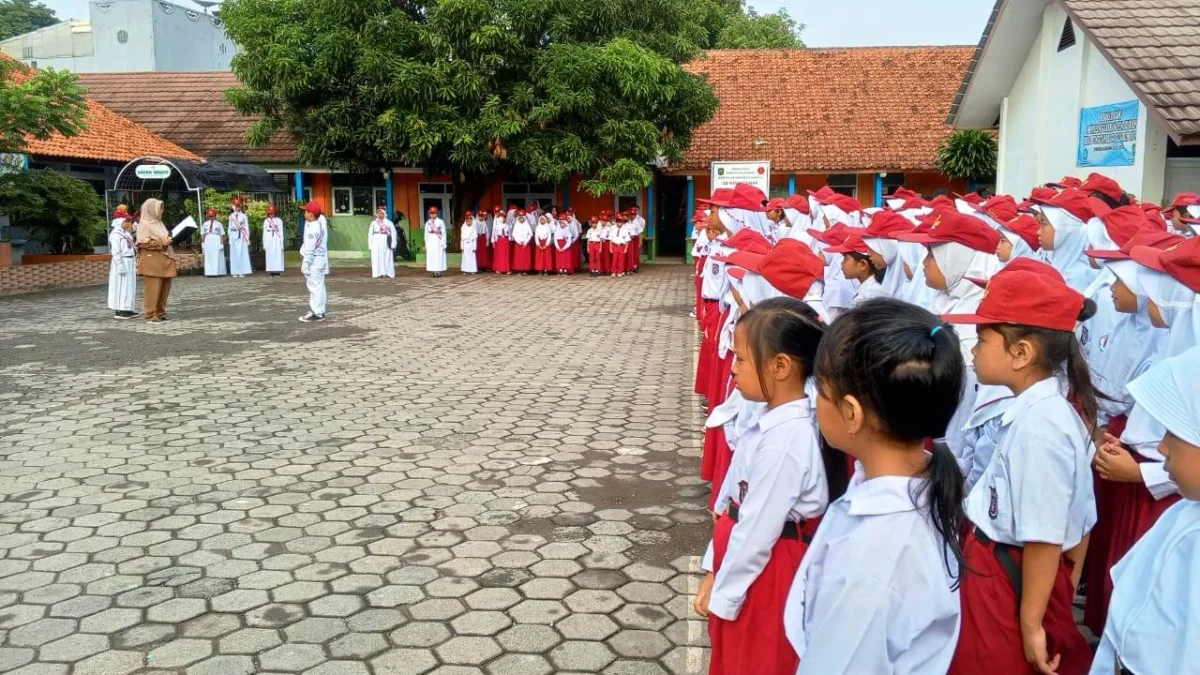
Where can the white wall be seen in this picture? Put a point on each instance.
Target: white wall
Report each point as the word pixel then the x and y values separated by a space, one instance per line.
pixel 136 54
pixel 188 40
pixel 1039 134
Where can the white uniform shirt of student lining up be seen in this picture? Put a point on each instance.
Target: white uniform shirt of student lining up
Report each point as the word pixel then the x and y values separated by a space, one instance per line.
pixel 315 249
pixel 714 281
pixel 1143 433
pixel 873 594
pixel 777 475
pixel 1038 485
pixel 868 290
pixel 1152 624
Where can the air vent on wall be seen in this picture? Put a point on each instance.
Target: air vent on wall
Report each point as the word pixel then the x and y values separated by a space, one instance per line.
pixel 1068 36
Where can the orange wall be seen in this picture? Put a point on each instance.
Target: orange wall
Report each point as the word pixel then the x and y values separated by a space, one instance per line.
pixel 323 192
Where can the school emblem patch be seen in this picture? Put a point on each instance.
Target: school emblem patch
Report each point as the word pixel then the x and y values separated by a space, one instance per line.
pixel 993 505
pixel 743 487
pixel 1084 336
pixel 1104 343
pixel 716 268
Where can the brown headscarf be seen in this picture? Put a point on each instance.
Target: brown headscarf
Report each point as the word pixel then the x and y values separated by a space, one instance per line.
pixel 151 227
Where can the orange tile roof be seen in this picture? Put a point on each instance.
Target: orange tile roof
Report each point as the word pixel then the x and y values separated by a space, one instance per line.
pixel 845 110
pixel 109 137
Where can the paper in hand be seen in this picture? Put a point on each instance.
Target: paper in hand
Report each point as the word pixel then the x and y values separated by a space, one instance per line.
pixel 183 231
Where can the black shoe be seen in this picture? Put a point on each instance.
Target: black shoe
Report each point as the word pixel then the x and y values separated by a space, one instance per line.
pixel 125 316
pixel 163 318
pixel 312 318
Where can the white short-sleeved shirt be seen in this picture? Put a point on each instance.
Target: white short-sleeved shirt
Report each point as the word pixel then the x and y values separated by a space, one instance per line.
pixel 1037 487
pixel 714 282
pixel 1153 624
pixel 777 476
pixel 873 594
pixel 868 290
pixel 981 435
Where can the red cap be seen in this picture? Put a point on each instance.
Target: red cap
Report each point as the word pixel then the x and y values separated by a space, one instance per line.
pixel 594 220
pixel 121 212
pixel 746 196
pixel 521 213
pixel 720 197
pixel 942 201
pixel 211 212
pixel 1026 227
pixel 1181 260
pixel 943 226
pixel 1153 213
pixel 971 198
pixel 791 267
pixel 313 207
pixel 835 235
pixel 1042 193
pixel 853 244
pixel 744 259
pixel 1066 182
pixel 778 203
pixel 1001 208
pixel 1101 184
pixel 700 216
pixel 1073 201
pixel 917 202
pixel 823 195
pixel 903 193
pixel 433 210
pixel 1024 264
pixel 1159 239
pixel 271 210
pixel 800 203
pixel 236 201
pixel 468 214
pixel 1183 200
pixel 1122 224
pixel 747 239
pixel 887 225
pixel 1028 299
pixel 845 202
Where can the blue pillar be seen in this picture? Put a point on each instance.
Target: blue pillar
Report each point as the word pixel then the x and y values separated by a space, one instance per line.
pixel 391 196
pixel 299 183
pixel 687 225
pixel 973 187
pixel 691 196
pixel 791 184
pixel 878 189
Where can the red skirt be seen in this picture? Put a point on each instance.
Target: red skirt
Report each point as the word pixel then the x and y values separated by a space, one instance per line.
pixel 715 461
pixel 543 259
pixel 501 262
pixel 483 254
pixel 635 252
pixel 595 259
pixel 699 285
pixel 522 257
pixel 708 346
pixel 755 642
pixel 990 640
pixel 721 379
pixel 562 259
pixel 576 255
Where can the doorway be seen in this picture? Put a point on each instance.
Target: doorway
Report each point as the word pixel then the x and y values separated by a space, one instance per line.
pixel 673 227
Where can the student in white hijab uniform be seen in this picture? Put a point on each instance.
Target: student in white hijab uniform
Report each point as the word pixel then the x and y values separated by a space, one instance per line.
pixel 1154 619
pixel 837 292
pixel 435 243
pixel 122 273
pixel 381 242
pixel 273 233
pixel 1063 238
pixel 1019 239
pixel 212 243
pixel 470 241
pixel 239 241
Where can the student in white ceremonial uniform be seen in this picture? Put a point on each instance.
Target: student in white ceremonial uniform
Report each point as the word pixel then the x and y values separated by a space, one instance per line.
pixel 212 242
pixel 1154 616
pixel 315 261
pixel 381 242
pixel 122 271
pixel 877 592
pixel 272 240
pixel 435 243
pixel 239 241
pixel 469 237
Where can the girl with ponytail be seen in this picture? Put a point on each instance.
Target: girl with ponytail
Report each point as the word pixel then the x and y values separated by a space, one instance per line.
pixel 877 591
pixel 1034 505
pixel 773 495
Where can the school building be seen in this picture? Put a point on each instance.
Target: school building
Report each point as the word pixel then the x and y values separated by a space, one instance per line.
pixel 1077 86
pixel 862 120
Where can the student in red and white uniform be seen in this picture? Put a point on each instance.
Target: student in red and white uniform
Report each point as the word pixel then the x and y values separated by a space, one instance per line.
pixel 772 497
pixel 543 245
pixel 1153 624
pixel 1034 504
pixel 619 244
pixel 272 241
pixel 637 228
pixel 212 243
pixel 501 244
pixel 1183 212
pixel 877 592
pixel 1062 235
pixel 381 242
pixel 483 238
pixel 522 238
pixel 564 243
pixel 595 246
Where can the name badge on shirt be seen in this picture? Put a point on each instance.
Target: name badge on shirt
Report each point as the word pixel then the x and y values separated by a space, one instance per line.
pixel 993 504
pixel 1084 336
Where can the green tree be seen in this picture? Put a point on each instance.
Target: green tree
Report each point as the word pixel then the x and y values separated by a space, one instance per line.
pixel 542 89
pixel 62 211
pixel 750 30
pixel 22 16
pixel 38 104
pixel 968 154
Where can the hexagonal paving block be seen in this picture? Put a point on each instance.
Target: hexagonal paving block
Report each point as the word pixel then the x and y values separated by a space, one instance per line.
pixel 176 611
pixel 420 634
pixel 436 609
pixel 335 605
pixel 240 601
pixel 249 641
pixel 373 620
pixel 74 647
pixel 292 657
pixel 646 593
pixel 493 598
pixel 598 602
pixel 315 630
pixel 643 617
pixel 520 664
pixel 481 623
pixel 547 589
pixel 642 644
pixel 40 632
pixel 468 650
pixel 586 627
pixel 404 662
pixel 178 653
pixel 223 665
pixel 395 596
pixel 626 667
pixel 587 657
pixel 109 663
pixel 357 646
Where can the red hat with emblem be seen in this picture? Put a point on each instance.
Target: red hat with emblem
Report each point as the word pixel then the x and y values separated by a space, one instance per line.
pixel 823 195
pixel 792 268
pixel 777 204
pixel 1121 224
pixel 1073 201
pixel 945 226
pixel 845 202
pixel 852 244
pixel 942 201
pixel 1026 227
pixel 720 197
pixel 887 225
pixel 211 212
pixel 800 203
pixel 1026 298
pixel 433 209
pixel 747 239
pixel 1159 239
pixel 1066 182
pixel 971 198
pixel 746 196
pixel 1024 264
pixel 1098 183
pixel 903 193
pixel 834 236
pixel 1183 200
pixel 313 207
pixel 1001 208
pixel 1180 260
pixel 271 210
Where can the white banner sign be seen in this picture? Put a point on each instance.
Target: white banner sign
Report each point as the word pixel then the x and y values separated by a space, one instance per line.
pixel 153 172
pixel 728 174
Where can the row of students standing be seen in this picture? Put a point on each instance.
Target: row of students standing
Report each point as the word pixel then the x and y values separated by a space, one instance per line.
pixel 959 354
pixel 214 234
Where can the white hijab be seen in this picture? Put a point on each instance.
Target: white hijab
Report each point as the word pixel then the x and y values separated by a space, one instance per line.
pixel 1177 304
pixel 915 290
pixel 1070 241
pixel 1020 248
pixel 894 279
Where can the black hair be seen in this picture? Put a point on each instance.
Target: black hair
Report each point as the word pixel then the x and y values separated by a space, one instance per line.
pixel 1058 351
pixel 878 272
pixel 906 369
pixel 790 327
pixel 1125 200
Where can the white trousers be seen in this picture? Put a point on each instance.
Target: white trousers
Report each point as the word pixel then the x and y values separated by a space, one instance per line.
pixel 316 291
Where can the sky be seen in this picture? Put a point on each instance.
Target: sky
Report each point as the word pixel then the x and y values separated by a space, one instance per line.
pixel 829 23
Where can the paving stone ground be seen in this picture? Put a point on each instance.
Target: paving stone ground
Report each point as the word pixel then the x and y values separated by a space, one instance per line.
pixel 454 476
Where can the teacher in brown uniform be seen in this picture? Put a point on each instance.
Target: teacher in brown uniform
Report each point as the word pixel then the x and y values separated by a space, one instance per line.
pixel 155 263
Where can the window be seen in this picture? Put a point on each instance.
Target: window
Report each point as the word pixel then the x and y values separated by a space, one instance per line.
pixel 379 200
pixel 1067 40
pixel 891 182
pixel 122 36
pixel 354 194
pixel 308 195
pixel 844 183
pixel 625 202
pixel 27 52
pixel 342 201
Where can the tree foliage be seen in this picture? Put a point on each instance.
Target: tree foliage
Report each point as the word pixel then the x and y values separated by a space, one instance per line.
pixel 969 155
pixel 18 17
pixel 38 104
pixel 62 211
pixel 751 30
pixel 543 89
